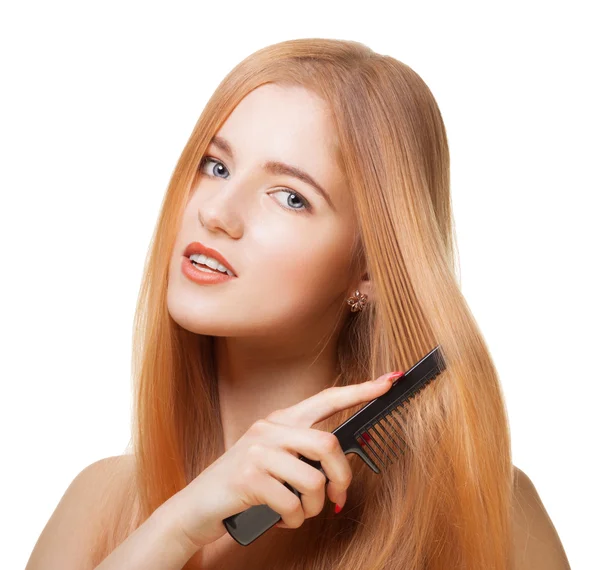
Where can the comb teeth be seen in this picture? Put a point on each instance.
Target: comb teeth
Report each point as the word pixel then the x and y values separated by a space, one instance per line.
pixel 383 427
pixel 385 434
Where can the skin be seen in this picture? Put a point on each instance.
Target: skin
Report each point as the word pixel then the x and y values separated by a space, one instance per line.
pixel 291 254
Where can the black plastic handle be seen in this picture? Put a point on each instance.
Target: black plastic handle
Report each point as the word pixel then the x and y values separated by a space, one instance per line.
pixel 247 526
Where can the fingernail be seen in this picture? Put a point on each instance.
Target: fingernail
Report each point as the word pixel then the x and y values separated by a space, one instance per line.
pixel 337 508
pixel 387 377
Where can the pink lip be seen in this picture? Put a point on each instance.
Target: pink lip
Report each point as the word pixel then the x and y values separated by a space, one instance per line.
pixel 197 247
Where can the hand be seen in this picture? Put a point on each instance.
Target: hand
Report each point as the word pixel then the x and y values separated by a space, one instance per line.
pixel 253 470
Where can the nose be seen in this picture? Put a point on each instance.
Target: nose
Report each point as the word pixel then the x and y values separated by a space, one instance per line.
pixel 217 213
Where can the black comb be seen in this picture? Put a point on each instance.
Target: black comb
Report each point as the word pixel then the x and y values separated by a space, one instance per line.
pixel 247 526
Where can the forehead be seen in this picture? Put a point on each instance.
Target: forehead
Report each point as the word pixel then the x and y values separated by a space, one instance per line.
pixel 289 114
pixel 289 124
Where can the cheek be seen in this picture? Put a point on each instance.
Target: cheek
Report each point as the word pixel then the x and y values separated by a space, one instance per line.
pixel 315 271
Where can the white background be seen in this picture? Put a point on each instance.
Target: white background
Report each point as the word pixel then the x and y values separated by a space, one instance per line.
pixel 98 101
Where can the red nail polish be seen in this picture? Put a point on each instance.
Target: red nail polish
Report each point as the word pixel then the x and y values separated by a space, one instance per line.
pixel 337 508
pixel 365 438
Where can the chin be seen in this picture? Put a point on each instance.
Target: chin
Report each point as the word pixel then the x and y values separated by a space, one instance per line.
pixel 190 322
pixel 213 324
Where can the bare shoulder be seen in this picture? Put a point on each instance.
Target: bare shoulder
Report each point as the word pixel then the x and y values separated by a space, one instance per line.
pixel 74 524
pixel 537 544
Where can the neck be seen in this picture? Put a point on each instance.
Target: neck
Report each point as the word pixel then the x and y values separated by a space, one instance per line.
pixel 255 380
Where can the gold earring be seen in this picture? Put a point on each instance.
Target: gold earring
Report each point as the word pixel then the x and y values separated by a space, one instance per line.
pixel 357 301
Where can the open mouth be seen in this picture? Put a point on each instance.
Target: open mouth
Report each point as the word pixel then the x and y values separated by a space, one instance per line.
pixel 203 256
pixel 202 267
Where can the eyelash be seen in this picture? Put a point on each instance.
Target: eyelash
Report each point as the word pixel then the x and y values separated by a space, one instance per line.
pixel 307 205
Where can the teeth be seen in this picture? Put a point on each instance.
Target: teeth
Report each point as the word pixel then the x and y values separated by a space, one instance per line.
pixel 210 262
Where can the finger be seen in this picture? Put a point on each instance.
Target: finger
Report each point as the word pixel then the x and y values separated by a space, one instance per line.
pixel 332 400
pixel 264 489
pixel 314 444
pixel 303 477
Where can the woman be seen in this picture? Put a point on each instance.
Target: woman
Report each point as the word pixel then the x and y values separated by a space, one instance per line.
pixel 306 242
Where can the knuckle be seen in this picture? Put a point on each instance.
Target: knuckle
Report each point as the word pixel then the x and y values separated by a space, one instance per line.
pixel 316 481
pixel 292 507
pixel 272 415
pixel 276 415
pixel 313 511
pixel 259 427
pixel 255 452
pixel 346 479
pixel 247 474
pixel 244 482
pixel 329 442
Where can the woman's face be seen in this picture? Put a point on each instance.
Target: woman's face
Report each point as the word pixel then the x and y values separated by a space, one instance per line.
pixel 289 248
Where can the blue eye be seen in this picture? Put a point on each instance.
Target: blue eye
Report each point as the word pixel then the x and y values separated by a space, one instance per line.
pixel 303 201
pixel 206 159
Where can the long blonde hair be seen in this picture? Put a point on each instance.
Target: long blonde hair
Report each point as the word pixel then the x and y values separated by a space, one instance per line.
pixel 447 502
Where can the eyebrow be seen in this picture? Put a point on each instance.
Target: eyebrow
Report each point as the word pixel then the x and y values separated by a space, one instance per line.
pixel 276 167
